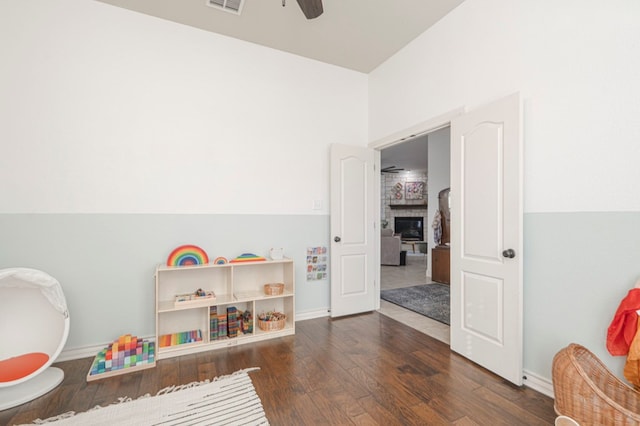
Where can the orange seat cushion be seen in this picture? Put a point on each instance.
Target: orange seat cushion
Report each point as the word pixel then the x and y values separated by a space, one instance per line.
pixel 20 366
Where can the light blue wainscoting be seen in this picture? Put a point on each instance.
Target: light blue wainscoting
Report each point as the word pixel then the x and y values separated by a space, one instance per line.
pixel 106 262
pixel 577 269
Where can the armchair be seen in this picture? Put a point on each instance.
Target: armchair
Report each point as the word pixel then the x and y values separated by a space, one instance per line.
pixel 390 247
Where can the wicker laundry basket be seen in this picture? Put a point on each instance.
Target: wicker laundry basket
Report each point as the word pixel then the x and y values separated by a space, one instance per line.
pixel 589 393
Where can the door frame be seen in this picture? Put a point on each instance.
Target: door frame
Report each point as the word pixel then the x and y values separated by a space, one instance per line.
pixel 420 129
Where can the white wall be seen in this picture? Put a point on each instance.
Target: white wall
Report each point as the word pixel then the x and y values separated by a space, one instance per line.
pixel 577 66
pixel 123 136
pixel 439 171
pixel 107 110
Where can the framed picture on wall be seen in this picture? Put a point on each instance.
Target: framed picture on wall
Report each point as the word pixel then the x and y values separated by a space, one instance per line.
pixel 397 191
pixel 414 191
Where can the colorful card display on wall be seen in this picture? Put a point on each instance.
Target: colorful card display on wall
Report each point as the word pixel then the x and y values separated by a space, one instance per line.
pixel 316 263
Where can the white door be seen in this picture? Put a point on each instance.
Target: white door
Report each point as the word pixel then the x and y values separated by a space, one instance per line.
pixel 355 186
pixel 486 237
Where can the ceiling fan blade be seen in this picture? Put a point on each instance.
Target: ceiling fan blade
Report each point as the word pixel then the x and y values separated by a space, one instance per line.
pixel 311 8
pixel 391 169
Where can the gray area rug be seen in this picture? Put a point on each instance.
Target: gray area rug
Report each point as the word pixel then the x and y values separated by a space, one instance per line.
pixel 430 300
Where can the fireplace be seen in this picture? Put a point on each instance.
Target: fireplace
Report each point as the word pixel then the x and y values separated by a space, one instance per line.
pixel 410 228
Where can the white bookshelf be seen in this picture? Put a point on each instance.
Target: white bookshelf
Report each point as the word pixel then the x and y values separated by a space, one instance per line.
pixel 239 285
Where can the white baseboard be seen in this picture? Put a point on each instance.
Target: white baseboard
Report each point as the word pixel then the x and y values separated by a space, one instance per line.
pixel 77 353
pixel 538 383
pixel 87 351
pixel 301 316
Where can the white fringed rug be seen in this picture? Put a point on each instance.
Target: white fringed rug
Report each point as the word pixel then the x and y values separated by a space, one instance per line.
pixel 226 400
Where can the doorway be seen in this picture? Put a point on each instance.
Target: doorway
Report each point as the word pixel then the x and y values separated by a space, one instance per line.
pixel 486 296
pixel 423 158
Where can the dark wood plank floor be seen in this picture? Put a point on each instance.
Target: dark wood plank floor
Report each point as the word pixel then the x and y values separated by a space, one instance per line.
pixel 365 370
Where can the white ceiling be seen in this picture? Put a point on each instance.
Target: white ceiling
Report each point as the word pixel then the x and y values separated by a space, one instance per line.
pixel 354 34
pixel 410 155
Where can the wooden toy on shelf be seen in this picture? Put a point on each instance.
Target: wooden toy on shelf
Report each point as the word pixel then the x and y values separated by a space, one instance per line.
pixel 197 298
pixel 187 255
pixel 248 257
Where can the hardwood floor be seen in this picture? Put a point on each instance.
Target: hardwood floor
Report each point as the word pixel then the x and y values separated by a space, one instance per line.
pixel 362 370
pixel 413 273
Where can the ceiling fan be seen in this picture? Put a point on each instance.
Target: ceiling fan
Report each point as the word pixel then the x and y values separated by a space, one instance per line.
pixel 391 169
pixel 311 8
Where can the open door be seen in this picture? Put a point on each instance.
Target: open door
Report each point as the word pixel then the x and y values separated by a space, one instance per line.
pixel 486 237
pixel 355 186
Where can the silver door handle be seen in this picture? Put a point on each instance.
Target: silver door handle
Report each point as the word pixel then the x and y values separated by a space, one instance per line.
pixel 336 239
pixel 509 253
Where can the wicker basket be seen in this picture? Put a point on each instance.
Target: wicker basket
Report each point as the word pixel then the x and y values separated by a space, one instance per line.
pixel 272 325
pixel 274 289
pixel 589 393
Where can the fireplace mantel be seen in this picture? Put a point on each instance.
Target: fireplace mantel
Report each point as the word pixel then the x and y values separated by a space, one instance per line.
pixel 409 206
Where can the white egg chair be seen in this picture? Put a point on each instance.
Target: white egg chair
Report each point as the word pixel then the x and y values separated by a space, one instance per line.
pixel 34 326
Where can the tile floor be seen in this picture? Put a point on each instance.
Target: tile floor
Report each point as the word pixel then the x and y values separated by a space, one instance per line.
pixel 413 273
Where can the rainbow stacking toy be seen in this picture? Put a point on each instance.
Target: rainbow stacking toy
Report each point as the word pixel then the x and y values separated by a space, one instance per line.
pixel 180 338
pixel 127 354
pixel 187 255
pixel 247 257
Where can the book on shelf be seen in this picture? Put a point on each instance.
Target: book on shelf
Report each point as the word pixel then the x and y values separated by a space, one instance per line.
pixel 222 325
pixel 232 321
pixel 213 323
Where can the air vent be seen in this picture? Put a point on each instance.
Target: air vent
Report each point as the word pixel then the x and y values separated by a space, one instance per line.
pixel 233 6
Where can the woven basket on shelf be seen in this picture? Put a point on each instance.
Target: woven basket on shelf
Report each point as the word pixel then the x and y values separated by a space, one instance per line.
pixel 274 289
pixel 272 325
pixel 589 393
